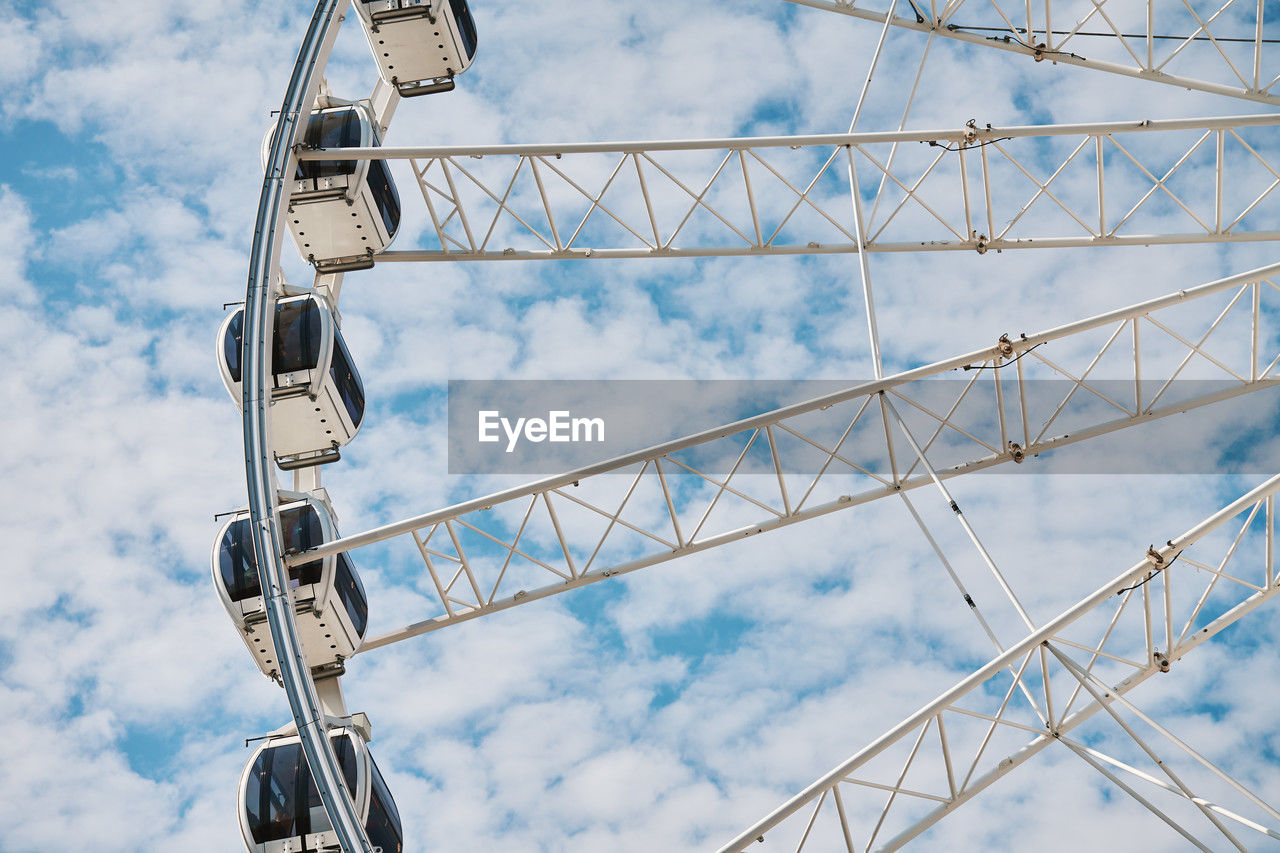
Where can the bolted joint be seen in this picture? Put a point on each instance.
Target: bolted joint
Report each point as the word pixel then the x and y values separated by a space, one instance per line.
pixel 1016 453
pixel 1161 661
pixel 1004 346
pixel 980 244
pixel 1156 558
pixel 1039 52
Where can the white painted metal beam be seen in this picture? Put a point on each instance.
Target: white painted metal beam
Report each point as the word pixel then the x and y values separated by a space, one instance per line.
pixel 1227 40
pixel 483 557
pixel 976 188
pixel 958 774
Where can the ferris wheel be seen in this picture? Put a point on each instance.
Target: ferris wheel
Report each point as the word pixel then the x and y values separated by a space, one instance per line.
pixel 290 580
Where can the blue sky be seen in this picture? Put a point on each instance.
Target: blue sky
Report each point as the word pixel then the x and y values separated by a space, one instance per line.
pixel 667 710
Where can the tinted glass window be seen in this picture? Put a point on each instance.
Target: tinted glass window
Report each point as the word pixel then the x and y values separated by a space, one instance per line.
pixel 383 825
pixel 352 594
pixel 345 751
pixel 301 531
pixel 298 336
pixel 232 343
pixel 274 794
pixel 346 379
pixel 384 195
pixel 466 26
pixel 331 129
pixel 281 801
pixel 236 562
pixel 238 566
pixel 297 339
pixel 255 806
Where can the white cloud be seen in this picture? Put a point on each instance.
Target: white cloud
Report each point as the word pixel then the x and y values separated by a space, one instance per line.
pixel 17 234
pixel 668 710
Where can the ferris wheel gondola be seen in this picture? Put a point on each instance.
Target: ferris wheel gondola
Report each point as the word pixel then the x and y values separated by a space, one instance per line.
pixel 329 600
pixel 419 45
pixel 281 811
pixel 317 398
pixel 341 212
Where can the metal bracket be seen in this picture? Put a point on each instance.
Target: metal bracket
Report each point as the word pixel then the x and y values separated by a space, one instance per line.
pixel 293 463
pixel 363 262
pixel 413 90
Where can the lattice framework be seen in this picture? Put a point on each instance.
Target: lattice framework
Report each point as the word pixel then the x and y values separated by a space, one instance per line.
pixel 976 188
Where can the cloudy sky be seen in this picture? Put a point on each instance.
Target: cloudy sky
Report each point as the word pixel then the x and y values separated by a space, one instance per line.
pixel 664 711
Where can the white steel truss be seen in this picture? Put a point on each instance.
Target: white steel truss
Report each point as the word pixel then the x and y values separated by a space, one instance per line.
pixel 837 451
pixel 1084 661
pixel 1222 46
pixel 979 188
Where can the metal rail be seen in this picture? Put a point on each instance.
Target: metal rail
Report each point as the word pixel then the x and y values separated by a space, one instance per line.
pixel 975 188
pixel 295 675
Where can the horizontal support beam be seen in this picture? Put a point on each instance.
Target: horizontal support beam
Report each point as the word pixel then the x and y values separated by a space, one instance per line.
pixel 844 502
pixel 619 463
pixel 970 136
pixel 975 188
pixel 482 558
pixel 1027 41
pixel 980 246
